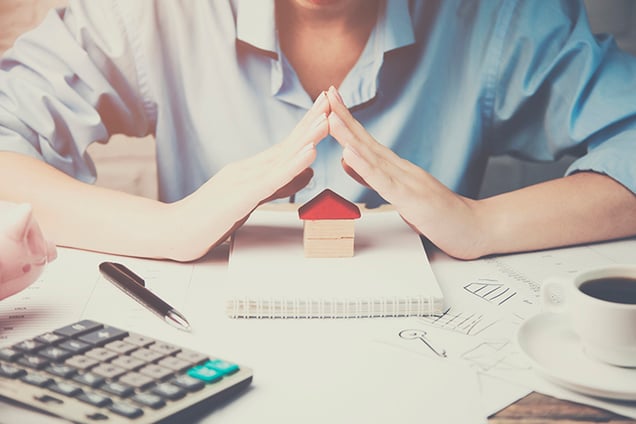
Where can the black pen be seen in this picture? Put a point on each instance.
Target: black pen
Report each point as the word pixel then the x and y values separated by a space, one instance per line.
pixel 134 286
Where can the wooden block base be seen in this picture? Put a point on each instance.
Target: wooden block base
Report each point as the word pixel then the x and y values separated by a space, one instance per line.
pixel 328 248
pixel 328 238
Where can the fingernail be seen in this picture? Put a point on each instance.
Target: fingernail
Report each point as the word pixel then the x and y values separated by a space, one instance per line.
pixel 321 98
pixel 337 95
pixel 309 147
pixel 319 120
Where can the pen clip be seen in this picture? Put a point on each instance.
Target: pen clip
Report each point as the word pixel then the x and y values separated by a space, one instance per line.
pixel 124 270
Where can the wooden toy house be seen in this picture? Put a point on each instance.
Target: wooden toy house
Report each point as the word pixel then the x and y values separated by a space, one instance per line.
pixel 328 225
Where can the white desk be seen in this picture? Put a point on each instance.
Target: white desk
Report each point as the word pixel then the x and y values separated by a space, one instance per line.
pixel 328 370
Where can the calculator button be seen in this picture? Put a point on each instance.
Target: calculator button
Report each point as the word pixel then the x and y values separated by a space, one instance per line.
pixel 169 391
pixel 222 366
pixel 195 358
pixel 97 416
pixel 81 362
pixel 103 336
pixel 66 389
pixel 33 361
pixel 174 364
pixel 11 371
pixel 75 346
pixel 9 354
pixel 48 399
pixel 101 354
pixel 138 340
pixel 136 380
pixel 29 346
pixel 120 347
pixel 109 371
pixel 150 400
pixel 55 353
pixel 95 399
pixel 147 355
pixel 89 379
pixel 128 362
pixel 164 348
pixel 118 389
pixel 156 372
pixel 188 383
pixel 50 338
pixel 126 410
pixel 113 372
pixel 78 328
pixel 37 379
pixel 61 370
pixel 202 373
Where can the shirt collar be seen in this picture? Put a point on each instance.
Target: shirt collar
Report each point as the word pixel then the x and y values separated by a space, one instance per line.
pixel 256 24
pixel 398 25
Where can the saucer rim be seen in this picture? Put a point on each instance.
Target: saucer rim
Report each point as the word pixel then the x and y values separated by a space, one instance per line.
pixel 554 377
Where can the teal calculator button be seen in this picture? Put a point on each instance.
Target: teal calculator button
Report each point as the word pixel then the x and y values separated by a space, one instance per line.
pixel 209 375
pixel 221 366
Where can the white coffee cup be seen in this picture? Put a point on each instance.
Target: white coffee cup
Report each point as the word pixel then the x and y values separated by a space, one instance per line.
pixel 601 304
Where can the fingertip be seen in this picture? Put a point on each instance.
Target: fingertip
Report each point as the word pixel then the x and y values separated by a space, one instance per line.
pixel 308 148
pixel 351 155
pixel 334 97
pixel 320 100
pixel 316 114
pixel 337 95
pixel 352 173
pixel 307 154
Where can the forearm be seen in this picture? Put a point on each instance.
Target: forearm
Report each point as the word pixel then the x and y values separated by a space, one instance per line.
pixel 79 215
pixel 580 208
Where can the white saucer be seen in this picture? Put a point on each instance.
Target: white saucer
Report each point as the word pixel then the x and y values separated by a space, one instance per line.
pixel 550 343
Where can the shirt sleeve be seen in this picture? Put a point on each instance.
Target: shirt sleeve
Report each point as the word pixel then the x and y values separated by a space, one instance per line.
pixel 70 82
pixel 560 89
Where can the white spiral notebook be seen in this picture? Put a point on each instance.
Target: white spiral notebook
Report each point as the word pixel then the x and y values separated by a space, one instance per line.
pixel 270 277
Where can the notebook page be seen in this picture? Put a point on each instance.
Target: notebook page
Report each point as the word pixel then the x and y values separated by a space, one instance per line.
pixel 267 263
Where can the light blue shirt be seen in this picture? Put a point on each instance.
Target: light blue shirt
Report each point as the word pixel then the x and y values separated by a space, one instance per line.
pixel 445 84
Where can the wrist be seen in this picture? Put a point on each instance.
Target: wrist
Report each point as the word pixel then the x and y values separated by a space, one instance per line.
pixel 184 237
pixel 473 240
pixel 193 229
pixel 482 229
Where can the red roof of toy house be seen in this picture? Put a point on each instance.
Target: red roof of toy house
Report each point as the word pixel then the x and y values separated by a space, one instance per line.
pixel 328 205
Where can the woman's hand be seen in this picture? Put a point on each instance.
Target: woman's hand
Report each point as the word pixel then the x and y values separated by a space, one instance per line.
pixel 447 219
pixel 227 199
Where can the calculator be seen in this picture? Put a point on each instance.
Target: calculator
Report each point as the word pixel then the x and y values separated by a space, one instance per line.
pixel 90 372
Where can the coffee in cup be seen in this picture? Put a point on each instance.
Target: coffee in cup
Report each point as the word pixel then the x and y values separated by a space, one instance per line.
pixel 601 305
pixel 611 289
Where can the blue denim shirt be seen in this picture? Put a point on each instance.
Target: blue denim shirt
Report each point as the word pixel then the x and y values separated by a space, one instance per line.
pixel 445 84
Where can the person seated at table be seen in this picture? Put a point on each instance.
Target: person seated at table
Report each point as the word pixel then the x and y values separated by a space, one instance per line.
pixel 240 98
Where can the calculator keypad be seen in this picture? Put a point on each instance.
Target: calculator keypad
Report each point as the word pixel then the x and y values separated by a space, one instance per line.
pixel 89 372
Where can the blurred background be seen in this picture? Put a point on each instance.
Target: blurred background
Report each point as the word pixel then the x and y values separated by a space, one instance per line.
pixel 128 164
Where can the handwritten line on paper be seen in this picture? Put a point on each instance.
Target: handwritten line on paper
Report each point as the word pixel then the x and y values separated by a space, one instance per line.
pixel 490 290
pixel 470 324
pixel 422 336
pixel 515 274
pixel 499 355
